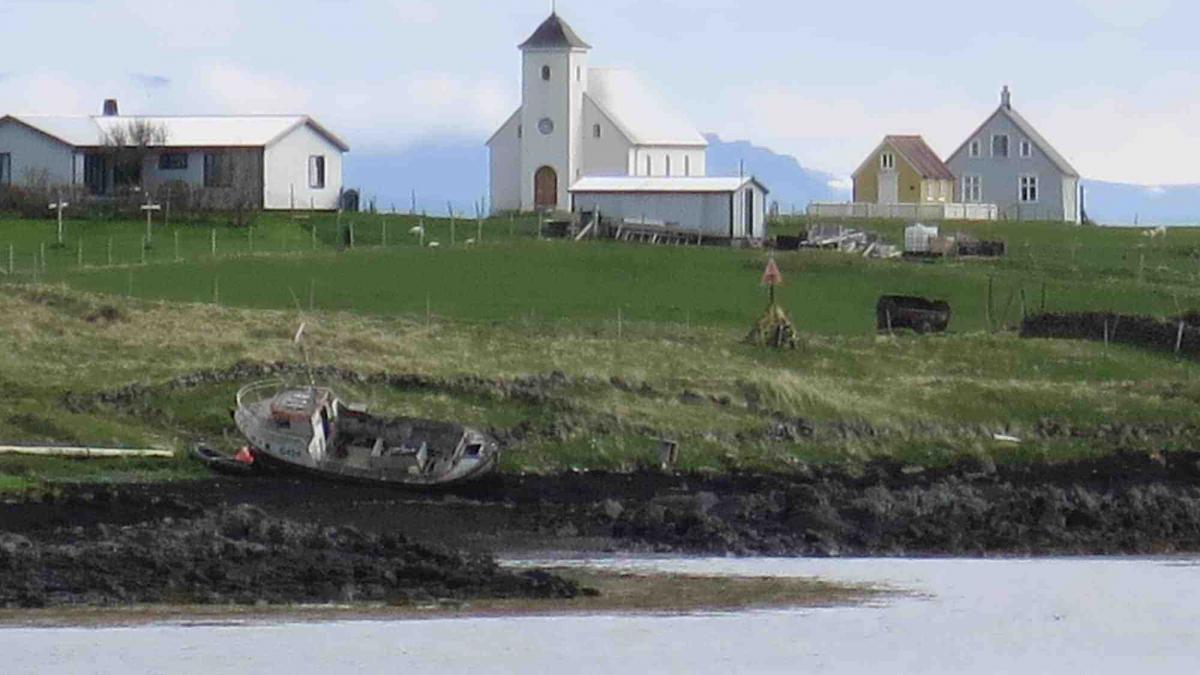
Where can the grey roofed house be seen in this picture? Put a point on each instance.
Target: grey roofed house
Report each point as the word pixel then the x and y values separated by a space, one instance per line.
pixel 1006 162
pixel 269 161
pixel 554 33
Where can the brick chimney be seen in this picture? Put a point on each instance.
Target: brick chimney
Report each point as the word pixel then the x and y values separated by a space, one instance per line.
pixel 110 108
pixel 1006 98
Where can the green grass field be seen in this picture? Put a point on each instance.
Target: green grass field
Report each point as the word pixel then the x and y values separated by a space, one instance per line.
pixel 512 276
pixel 667 321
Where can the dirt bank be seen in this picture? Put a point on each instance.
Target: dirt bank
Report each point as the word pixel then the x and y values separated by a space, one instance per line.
pixel 1129 503
pixel 240 555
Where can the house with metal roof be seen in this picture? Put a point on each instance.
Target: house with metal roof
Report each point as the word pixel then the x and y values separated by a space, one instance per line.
pixel 1008 163
pixel 576 121
pixel 903 170
pixel 267 161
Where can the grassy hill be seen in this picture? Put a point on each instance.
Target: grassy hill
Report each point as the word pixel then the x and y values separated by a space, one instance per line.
pixel 643 342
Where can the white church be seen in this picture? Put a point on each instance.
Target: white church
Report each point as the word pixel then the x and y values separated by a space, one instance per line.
pixel 588 139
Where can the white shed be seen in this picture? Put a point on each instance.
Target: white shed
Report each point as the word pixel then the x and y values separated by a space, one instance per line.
pixel 729 208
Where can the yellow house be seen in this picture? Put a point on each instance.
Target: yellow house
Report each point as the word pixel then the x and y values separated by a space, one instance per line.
pixel 903 170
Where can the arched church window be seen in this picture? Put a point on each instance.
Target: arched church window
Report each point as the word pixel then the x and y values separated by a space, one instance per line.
pixel 595 131
pixel 546 73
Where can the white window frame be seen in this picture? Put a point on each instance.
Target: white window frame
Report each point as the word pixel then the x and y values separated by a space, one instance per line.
pixel 318 169
pixel 1007 146
pixel 887 161
pixel 1026 148
pixel 975 149
pixel 1029 189
pixel 972 188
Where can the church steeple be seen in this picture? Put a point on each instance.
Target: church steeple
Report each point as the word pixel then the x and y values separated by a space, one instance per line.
pixel 554 33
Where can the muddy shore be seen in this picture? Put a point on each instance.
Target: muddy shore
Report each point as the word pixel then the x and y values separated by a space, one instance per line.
pixel 1127 503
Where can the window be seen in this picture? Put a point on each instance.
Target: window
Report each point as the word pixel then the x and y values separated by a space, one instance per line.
pixel 546 126
pixel 316 172
pixel 172 161
pixel 887 161
pixel 975 148
pixel 668 173
pixel 5 168
pixel 546 73
pixel 1026 149
pixel 972 189
pixel 578 74
pixel 218 170
pixel 1028 189
pixel 1000 145
pixel 95 173
pixel 595 131
pixel 520 131
pixel 649 166
pixel 687 165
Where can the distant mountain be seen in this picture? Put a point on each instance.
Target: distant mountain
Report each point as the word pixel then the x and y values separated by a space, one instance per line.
pixel 790 183
pixel 1124 204
pixel 455 170
pixel 439 170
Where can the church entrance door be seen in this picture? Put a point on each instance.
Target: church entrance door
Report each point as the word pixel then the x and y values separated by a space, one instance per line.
pixel 545 188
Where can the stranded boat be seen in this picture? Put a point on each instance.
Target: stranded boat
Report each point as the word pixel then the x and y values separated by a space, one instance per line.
pixel 310 429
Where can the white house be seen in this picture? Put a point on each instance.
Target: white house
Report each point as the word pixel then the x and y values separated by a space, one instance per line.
pixel 1008 163
pixel 577 121
pixel 725 208
pixel 280 161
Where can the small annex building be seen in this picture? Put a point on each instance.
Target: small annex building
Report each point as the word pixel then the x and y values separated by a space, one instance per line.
pixel 275 162
pixel 903 170
pixel 722 208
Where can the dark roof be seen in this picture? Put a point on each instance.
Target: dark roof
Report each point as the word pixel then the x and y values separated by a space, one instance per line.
pixel 920 156
pixel 554 33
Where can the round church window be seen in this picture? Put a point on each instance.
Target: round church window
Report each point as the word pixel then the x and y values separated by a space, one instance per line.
pixel 546 126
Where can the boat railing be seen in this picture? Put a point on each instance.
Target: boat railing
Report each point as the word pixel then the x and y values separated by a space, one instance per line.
pixel 258 392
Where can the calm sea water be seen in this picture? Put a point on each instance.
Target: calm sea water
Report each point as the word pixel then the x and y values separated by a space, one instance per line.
pixel 1006 616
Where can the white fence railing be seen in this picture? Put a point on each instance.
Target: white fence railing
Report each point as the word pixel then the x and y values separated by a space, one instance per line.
pixel 906 211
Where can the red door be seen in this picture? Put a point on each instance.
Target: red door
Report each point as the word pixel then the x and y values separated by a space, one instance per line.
pixel 545 188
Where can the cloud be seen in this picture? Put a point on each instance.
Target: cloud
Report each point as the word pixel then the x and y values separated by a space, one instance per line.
pixel 415 11
pixel 1127 14
pixel 151 81
pixel 232 89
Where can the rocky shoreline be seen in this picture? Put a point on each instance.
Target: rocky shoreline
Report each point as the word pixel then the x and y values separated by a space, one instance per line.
pixel 277 539
pixel 242 556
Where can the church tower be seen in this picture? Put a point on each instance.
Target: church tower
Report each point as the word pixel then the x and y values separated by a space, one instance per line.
pixel 554 80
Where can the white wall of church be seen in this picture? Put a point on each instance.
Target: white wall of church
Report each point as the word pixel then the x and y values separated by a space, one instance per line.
pixel 606 154
pixel 654 160
pixel 558 100
pixel 505 167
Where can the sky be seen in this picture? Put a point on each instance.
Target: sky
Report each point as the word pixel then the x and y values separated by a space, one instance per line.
pixel 1113 84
